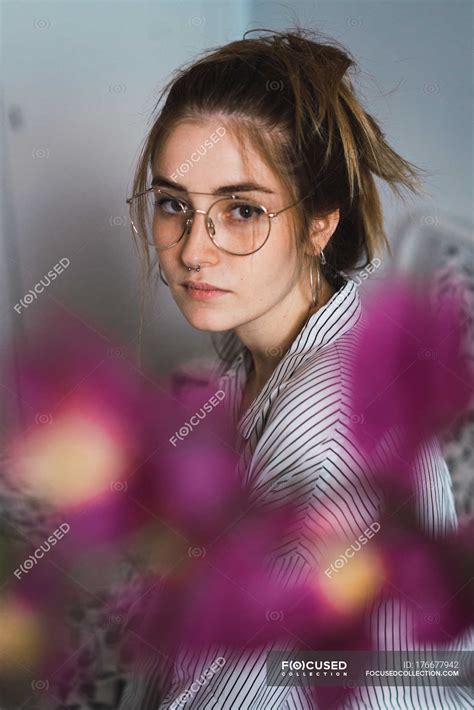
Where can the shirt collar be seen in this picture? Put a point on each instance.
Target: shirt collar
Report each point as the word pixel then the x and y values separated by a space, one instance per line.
pixel 336 317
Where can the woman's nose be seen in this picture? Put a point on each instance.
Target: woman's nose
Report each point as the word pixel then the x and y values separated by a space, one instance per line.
pixel 197 235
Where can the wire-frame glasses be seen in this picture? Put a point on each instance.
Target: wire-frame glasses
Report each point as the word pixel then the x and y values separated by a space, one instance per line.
pixel 235 224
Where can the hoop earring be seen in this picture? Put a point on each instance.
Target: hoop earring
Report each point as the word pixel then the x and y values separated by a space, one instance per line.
pixel 315 292
pixel 161 275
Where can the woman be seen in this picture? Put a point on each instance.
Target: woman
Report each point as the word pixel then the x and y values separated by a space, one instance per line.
pixel 262 164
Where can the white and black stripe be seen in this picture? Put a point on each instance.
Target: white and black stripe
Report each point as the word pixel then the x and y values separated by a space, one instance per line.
pixel 294 440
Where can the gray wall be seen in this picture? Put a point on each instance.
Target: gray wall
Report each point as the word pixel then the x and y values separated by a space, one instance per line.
pixel 79 83
pixel 416 77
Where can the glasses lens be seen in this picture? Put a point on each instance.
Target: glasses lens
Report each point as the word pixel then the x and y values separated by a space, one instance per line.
pixel 160 218
pixel 239 226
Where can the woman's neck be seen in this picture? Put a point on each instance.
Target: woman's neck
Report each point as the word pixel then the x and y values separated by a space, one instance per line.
pixel 265 359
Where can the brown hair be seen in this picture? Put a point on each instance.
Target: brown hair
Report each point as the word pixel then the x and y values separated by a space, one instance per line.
pixel 288 96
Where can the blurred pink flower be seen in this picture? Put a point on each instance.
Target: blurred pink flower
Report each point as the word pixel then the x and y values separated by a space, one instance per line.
pixel 111 448
pixel 434 576
pixel 410 376
pixel 127 460
pixel 227 594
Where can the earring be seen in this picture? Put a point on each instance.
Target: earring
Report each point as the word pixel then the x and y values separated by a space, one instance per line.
pixel 316 291
pixel 161 275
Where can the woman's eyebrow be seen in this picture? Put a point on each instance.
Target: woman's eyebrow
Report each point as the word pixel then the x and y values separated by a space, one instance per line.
pixel 222 190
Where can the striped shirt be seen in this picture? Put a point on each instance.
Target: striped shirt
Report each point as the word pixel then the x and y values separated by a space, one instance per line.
pixel 294 442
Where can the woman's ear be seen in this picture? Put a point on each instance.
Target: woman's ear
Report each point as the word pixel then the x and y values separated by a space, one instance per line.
pixel 322 229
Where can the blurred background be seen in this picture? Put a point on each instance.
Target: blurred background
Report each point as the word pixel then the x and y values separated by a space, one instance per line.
pixel 79 85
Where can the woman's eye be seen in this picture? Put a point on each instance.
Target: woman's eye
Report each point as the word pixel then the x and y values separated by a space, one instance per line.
pixel 170 206
pixel 245 212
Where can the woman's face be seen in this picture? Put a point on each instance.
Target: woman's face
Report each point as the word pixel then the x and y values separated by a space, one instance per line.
pixel 254 285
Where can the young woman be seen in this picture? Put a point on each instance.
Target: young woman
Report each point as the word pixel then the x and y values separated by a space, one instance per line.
pixel 259 172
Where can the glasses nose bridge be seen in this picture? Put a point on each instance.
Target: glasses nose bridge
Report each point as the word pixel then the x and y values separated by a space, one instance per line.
pixel 208 224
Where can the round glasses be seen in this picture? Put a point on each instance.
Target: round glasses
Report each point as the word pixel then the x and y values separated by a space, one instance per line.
pixel 235 224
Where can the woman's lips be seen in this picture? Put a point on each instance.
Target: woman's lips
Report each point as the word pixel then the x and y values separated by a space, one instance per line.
pixel 203 292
